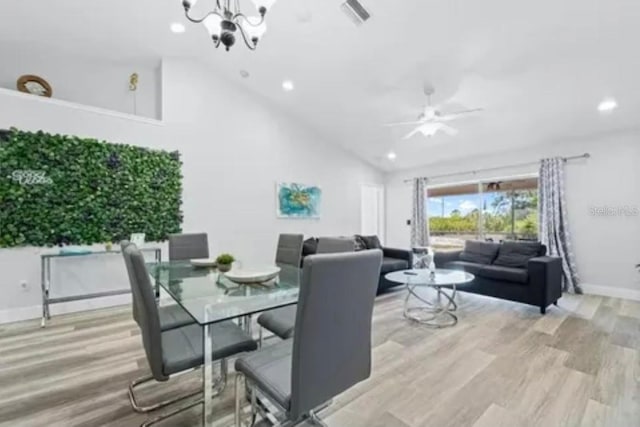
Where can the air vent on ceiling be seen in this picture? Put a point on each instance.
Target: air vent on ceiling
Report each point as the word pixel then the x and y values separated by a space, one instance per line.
pixel 355 11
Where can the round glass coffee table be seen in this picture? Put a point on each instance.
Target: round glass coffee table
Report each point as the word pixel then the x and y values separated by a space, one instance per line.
pixel 438 312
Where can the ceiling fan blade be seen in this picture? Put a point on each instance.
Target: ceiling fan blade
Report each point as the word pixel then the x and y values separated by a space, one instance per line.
pixel 449 130
pixel 404 123
pixel 458 114
pixel 413 132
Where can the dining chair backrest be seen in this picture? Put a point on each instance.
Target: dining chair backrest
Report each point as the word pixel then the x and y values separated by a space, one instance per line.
pixel 127 262
pixel 148 317
pixel 188 246
pixel 289 249
pixel 331 245
pixel 332 337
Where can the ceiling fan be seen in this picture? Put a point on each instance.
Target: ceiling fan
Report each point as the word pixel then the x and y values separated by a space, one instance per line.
pixel 432 120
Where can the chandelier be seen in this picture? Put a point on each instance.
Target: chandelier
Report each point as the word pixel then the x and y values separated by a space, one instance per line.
pixel 226 19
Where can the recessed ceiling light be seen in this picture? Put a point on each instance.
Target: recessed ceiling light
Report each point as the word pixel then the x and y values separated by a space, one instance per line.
pixel 607 105
pixel 287 85
pixel 177 28
pixel 391 155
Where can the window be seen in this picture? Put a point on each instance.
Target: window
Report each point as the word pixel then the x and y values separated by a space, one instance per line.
pixel 494 211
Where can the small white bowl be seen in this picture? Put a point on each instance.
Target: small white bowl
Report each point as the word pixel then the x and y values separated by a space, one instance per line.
pixel 253 276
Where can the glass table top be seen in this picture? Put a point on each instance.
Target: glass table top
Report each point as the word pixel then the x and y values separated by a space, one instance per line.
pixel 422 277
pixel 210 297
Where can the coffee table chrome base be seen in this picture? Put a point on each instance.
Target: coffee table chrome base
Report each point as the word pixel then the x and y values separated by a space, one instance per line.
pixel 436 314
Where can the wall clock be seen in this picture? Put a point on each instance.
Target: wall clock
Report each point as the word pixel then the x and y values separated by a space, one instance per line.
pixel 34 85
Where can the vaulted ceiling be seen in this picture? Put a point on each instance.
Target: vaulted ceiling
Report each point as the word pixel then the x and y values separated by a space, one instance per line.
pixel 539 69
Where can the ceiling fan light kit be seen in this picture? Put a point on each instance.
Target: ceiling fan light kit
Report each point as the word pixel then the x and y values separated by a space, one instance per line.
pixel 226 19
pixel 431 120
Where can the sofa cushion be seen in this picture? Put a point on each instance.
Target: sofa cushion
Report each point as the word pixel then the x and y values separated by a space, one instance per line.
pixel 469 267
pixel 506 274
pixel 393 264
pixel 371 242
pixel 517 254
pixel 479 252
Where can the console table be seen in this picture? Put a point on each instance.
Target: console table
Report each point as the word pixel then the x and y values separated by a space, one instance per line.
pixel 45 279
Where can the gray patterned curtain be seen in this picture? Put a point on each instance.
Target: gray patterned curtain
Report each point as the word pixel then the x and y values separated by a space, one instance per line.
pixel 420 216
pixel 554 229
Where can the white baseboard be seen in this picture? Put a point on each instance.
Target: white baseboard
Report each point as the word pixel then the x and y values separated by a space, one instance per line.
pixel 35 312
pixel 610 291
pixel 10 315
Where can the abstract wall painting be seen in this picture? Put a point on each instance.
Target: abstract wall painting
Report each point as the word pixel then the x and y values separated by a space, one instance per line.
pixel 296 200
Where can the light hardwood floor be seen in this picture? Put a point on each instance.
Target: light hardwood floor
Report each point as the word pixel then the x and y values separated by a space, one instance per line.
pixel 503 365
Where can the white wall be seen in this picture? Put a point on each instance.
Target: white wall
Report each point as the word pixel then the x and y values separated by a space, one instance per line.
pixel 89 82
pixel 607 248
pixel 234 146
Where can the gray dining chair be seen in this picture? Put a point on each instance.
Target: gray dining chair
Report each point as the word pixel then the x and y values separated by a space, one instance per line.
pixel 330 245
pixel 171 316
pixel 281 321
pixel 331 348
pixel 289 250
pixel 288 255
pixel 177 350
pixel 188 246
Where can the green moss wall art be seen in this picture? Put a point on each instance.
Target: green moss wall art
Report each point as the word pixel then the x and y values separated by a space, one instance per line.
pixel 65 190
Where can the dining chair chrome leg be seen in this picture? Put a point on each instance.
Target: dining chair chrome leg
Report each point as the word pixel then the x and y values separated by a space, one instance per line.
pixel 219 387
pixel 260 336
pixel 220 383
pixel 162 417
pixel 315 420
pixel 145 409
pixel 254 405
pixel 238 400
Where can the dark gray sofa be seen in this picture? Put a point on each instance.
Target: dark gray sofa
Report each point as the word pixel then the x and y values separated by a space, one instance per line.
pixel 393 259
pixel 515 271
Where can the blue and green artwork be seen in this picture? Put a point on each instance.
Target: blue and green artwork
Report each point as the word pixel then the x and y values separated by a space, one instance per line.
pixel 298 200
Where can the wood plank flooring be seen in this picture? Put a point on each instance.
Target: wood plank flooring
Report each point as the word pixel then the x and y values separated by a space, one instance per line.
pixel 502 365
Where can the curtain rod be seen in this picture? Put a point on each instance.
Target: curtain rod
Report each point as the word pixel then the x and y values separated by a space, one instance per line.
pixel 475 171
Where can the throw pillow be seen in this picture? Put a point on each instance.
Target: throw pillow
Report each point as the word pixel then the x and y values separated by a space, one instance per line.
pixel 310 246
pixel 479 252
pixel 360 245
pixel 517 254
pixel 371 242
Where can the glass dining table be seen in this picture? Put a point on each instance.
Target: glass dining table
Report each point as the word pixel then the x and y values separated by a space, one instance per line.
pixel 209 297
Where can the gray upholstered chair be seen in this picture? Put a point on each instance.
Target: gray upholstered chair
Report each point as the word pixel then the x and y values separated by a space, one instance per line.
pixel 331 347
pixel 171 316
pixel 288 255
pixel 188 246
pixel 176 350
pixel 289 251
pixel 330 245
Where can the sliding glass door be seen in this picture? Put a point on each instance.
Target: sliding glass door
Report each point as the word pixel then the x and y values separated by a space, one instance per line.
pixel 499 210
pixel 454 215
pixel 510 210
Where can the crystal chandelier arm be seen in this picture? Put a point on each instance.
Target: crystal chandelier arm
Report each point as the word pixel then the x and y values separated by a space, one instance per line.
pixel 249 43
